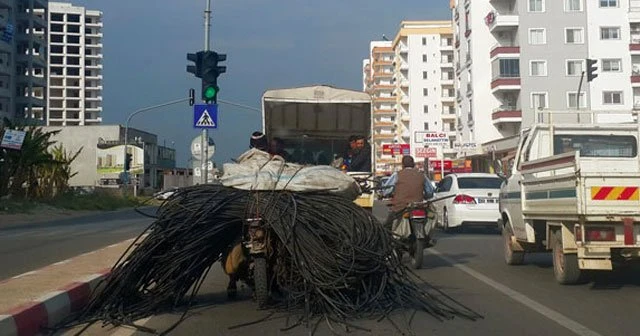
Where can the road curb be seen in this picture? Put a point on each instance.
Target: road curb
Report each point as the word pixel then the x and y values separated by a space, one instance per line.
pixel 50 309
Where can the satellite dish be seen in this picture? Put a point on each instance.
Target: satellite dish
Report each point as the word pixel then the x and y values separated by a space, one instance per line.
pixel 196 146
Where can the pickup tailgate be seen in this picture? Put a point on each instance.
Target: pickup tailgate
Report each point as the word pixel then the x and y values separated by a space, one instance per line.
pixel 610 194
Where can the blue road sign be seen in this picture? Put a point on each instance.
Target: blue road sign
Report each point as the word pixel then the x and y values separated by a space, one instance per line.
pixel 205 116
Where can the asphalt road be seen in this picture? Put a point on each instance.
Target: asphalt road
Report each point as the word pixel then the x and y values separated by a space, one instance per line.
pixel 523 300
pixel 26 247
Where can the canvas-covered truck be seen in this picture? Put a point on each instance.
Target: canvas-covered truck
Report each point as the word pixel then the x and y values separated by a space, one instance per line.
pixel 315 123
pixel 573 189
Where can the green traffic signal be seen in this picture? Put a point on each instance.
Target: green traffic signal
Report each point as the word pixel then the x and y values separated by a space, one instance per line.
pixel 210 92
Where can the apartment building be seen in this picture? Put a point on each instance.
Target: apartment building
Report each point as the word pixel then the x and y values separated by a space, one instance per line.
pixel 23 60
pixel 424 85
pixel 75 65
pixel 516 58
pixel 378 82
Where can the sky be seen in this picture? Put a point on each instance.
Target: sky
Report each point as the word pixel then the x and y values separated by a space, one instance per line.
pixel 269 45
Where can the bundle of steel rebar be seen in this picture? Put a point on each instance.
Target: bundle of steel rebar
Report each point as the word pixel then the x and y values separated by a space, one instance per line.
pixel 330 256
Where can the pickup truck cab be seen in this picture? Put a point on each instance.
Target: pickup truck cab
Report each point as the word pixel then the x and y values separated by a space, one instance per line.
pixel 572 188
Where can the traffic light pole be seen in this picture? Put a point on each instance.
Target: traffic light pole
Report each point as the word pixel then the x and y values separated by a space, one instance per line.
pixel 578 95
pixel 204 146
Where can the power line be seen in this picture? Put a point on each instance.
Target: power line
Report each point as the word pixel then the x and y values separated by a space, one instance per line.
pixel 240 105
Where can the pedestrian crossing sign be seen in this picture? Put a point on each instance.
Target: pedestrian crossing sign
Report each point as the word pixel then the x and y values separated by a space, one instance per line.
pixel 205 116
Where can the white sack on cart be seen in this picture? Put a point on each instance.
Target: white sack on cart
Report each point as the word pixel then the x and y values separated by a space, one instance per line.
pixel 257 170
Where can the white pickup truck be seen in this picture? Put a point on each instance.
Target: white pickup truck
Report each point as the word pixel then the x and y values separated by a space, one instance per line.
pixel 573 188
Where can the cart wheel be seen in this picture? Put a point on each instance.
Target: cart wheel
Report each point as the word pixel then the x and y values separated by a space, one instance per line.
pixel 261 281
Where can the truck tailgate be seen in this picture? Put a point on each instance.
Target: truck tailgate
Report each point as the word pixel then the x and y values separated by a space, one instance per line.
pixel 610 194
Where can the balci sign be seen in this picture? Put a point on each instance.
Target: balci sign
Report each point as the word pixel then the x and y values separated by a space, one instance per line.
pixel 432 138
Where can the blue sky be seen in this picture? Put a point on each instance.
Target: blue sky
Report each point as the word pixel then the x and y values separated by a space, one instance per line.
pixel 269 44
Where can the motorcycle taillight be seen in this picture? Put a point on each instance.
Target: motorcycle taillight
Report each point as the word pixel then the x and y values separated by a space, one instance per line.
pixel 418 213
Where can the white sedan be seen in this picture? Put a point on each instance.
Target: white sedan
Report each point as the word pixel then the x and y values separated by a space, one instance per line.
pixel 473 200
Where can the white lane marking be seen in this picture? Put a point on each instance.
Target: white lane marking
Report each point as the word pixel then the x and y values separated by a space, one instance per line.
pixel 551 314
pixel 24 274
pixel 61 262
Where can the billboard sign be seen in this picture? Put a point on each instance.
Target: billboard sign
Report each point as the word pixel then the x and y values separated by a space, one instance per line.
pixel 432 138
pixel 396 149
pixel 426 152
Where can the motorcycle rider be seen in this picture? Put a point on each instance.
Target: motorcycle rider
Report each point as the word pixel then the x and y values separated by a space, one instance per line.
pixel 408 185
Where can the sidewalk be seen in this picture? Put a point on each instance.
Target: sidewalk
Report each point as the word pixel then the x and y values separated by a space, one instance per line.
pixel 45 296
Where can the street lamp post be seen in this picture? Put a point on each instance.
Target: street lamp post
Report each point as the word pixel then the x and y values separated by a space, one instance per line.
pixel 126 127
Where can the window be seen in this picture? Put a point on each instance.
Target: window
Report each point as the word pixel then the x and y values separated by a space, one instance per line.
pixel 425 109
pixel 73 29
pixel 57 17
pixel 609 33
pixel 608 3
pixel 56 49
pixel 538 68
pixel 57 28
pixel 55 59
pixel 537 36
pixel 596 145
pixel 73 71
pixel 571 100
pixel 57 38
pixel 536 5
pixel 479 182
pixel 425 92
pixel 611 65
pixel 424 57
pixel 574 35
pixel 573 5
pixel 424 41
pixel 426 126
pixel 575 67
pixel 424 75
pixel 539 100
pixel 73 18
pixel 612 97
pixel 73 50
pixel 509 68
pixel 73 39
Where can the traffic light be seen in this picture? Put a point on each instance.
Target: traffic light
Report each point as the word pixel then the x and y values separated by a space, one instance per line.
pixel 591 69
pixel 210 72
pixel 196 68
pixel 127 162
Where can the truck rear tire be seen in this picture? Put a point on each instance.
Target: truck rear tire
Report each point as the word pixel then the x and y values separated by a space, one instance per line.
pixel 565 265
pixel 511 257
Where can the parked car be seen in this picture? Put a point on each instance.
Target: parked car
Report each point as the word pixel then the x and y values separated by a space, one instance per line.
pixel 475 202
pixel 165 194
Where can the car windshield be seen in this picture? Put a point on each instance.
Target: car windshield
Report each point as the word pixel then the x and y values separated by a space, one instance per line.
pixel 479 183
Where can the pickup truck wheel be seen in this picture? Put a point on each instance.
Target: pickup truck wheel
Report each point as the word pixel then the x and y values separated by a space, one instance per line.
pixel 565 266
pixel 511 257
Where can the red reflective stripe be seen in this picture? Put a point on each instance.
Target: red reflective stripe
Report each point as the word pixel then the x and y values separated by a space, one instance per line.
pixel 629 239
pixel 627 193
pixel 603 193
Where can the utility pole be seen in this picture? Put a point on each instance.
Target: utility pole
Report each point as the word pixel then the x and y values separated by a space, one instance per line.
pixel 205 132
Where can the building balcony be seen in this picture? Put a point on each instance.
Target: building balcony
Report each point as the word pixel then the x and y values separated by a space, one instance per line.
pixel 634 11
pixel 38 22
pixel 502 21
pixel 448 99
pixel 447 81
pixel 447 64
pixel 384 99
pixel 380 111
pixel 448 116
pixel 93 109
pixel 383 87
pixel 405 117
pixel 404 100
pixel 93 98
pixel 92 56
pixel 403 48
pixel 499 50
pixel 94 88
pixel 505 84
pixel 634 44
pixel 383 74
pixel 94 24
pixel 94 35
pixel 382 50
pixel 383 136
pixel 383 124
pixel 506 114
